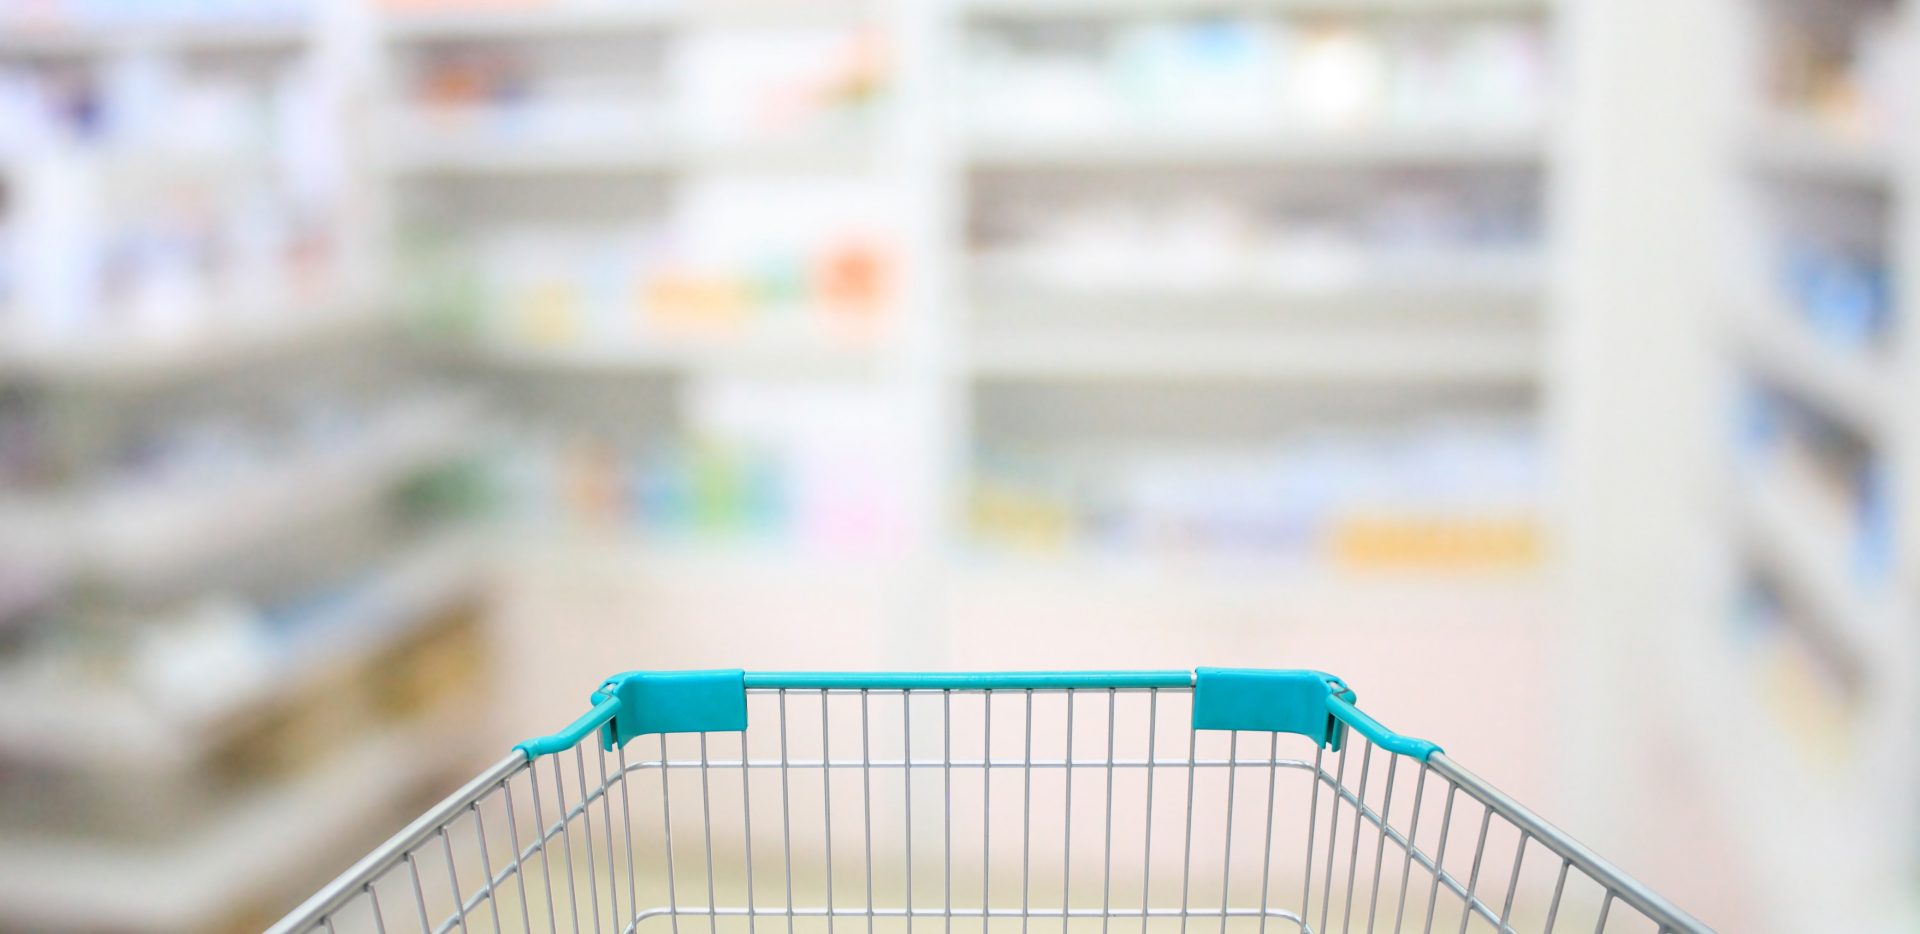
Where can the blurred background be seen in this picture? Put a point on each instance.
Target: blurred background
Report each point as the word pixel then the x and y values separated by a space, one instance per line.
pixel 377 375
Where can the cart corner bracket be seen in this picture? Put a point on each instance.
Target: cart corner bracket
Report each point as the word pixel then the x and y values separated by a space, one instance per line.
pixel 674 702
pixel 1269 700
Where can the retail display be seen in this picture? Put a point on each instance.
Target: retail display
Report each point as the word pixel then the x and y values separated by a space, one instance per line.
pixel 1836 483
pixel 214 576
pixel 30 18
pixel 1810 686
pixel 1237 75
pixel 1312 231
pixel 1844 297
pixel 1812 598
pixel 1214 303
pixel 722 87
pixel 155 198
pixel 1440 495
pixel 1839 73
pixel 812 265
pixel 760 466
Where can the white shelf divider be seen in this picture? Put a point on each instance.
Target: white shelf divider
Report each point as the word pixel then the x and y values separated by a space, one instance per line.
pixel 1055 10
pixel 1781 531
pixel 509 158
pixel 146 537
pixel 1850 814
pixel 21 38
pixel 1446 358
pixel 1389 147
pixel 1854 389
pixel 693 357
pixel 1798 148
pixel 138 363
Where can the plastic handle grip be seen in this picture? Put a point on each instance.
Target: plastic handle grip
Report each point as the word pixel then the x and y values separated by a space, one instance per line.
pixel 573 733
pixel 1381 736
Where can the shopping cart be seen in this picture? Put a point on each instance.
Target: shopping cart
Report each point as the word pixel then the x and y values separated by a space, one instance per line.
pixel 1155 802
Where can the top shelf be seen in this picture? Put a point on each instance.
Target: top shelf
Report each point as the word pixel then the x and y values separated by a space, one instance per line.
pixel 1518 147
pixel 1043 10
pixel 562 20
pixel 73 39
pixel 1853 390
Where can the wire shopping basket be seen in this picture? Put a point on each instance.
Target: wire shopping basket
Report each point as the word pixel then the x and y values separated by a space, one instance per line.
pixel 1213 801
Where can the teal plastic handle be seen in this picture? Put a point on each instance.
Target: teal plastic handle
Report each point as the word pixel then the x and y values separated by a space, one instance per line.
pixel 967 680
pixel 573 733
pixel 1381 736
pixel 608 705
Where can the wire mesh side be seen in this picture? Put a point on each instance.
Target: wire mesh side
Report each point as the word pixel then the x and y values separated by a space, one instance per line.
pixel 1396 844
pixel 531 846
pixel 996 811
pixel 1075 811
pixel 931 811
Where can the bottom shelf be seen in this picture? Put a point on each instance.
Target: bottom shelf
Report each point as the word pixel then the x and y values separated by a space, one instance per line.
pixel 264 851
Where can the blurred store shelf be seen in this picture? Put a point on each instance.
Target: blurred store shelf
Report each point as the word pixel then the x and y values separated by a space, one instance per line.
pixel 144 536
pixel 1790 537
pixel 567 20
pixel 1466 146
pixel 1181 584
pixel 1852 388
pixel 55 717
pixel 1016 287
pixel 1829 818
pixel 1799 147
pixel 1337 356
pixel 251 639
pixel 146 169
pixel 1799 654
pixel 1046 10
pixel 22 37
pixel 744 355
pixel 614 556
pixel 262 852
pixel 510 158
pixel 139 363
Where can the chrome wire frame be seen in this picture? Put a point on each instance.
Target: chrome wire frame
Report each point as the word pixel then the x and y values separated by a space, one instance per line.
pixel 929 810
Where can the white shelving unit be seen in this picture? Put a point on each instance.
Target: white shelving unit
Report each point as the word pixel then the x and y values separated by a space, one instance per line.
pixel 273 554
pixel 1355 326
pixel 945 344
pixel 1628 165
pixel 1779 587
pixel 435 163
